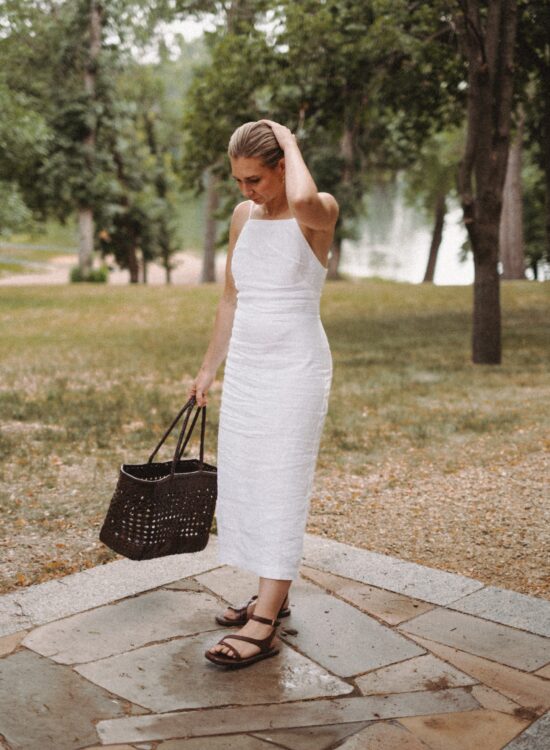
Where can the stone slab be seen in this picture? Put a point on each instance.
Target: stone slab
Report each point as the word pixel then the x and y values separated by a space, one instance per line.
pixel 227 742
pixel 125 625
pixel 494 701
pixel 308 713
pixel 329 631
pixel 232 584
pixel 316 738
pixel 158 677
pixel 9 643
pixel 46 706
pixel 544 672
pixel 386 572
pixel 384 736
pixel 529 691
pixel 185 584
pixel 45 602
pixel 508 608
pixel 535 737
pixel 421 673
pixel 385 605
pixel 490 640
pixel 489 730
pixel 13 617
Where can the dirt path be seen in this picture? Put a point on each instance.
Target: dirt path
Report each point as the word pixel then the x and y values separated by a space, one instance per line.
pixel 187 272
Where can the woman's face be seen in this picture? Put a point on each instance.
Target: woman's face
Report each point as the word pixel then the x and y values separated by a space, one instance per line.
pixel 256 181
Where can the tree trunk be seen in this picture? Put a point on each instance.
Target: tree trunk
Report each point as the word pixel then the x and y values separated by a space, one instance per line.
pixel 347 153
pixel 486 344
pixel 209 250
pixel 511 244
pixel 85 240
pixel 488 46
pixel 85 212
pixel 144 268
pixel 165 240
pixel 546 158
pixel 437 235
pixel 133 263
pixel 334 260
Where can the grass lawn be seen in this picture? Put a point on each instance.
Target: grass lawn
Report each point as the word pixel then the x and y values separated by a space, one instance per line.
pixel 424 455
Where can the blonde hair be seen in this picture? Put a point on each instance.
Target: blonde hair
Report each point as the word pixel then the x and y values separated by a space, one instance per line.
pixel 255 140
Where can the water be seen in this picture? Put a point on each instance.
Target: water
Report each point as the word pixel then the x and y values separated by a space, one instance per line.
pixel 395 242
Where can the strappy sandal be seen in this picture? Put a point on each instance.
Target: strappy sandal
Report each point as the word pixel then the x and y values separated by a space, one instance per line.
pixel 242 613
pixel 234 660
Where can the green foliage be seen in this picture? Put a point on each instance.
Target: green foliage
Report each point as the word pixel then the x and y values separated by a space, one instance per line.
pixel 362 84
pixel 434 171
pixel 534 210
pixel 95 275
pixel 24 140
pixel 15 215
pixel 112 146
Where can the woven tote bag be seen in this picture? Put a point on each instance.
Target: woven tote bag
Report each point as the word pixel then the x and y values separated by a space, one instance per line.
pixel 163 508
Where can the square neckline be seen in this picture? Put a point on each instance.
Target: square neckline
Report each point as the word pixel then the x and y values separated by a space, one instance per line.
pixel 292 218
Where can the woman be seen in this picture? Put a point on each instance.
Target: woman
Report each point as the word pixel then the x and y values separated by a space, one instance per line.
pixel 277 377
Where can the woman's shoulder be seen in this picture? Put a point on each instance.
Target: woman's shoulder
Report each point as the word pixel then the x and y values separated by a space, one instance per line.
pixel 242 209
pixel 238 220
pixel 240 215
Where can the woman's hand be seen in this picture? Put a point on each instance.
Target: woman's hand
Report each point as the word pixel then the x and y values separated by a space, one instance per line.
pixel 283 135
pixel 200 385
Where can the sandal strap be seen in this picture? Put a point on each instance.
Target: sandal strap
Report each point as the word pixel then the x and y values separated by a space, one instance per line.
pixel 261 643
pixel 228 645
pixel 274 623
pixel 243 610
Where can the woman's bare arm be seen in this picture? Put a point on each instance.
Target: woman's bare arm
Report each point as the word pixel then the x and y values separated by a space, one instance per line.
pixel 223 323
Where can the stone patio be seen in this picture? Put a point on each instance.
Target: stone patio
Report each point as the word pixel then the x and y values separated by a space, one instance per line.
pixel 378 654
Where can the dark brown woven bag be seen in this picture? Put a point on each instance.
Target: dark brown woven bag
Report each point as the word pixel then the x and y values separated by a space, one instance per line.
pixel 163 508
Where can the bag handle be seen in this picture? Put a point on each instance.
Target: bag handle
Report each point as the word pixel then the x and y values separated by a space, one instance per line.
pixel 187 407
pixel 179 451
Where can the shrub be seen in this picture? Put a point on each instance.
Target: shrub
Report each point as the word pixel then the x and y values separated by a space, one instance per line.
pixel 96 275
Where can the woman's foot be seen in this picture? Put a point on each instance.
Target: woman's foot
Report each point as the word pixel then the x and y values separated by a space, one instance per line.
pixel 230 614
pixel 253 629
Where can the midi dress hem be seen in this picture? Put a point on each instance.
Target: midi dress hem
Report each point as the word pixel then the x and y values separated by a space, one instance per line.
pixel 263 571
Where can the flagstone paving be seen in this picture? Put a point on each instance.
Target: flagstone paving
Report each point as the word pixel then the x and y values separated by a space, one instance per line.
pixel 378 654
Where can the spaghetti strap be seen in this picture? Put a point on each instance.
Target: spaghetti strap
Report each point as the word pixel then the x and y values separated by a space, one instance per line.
pixel 251 207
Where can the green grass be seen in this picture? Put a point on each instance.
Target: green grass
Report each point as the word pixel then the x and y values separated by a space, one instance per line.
pixel 90 360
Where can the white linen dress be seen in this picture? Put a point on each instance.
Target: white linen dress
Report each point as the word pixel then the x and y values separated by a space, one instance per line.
pixel 274 400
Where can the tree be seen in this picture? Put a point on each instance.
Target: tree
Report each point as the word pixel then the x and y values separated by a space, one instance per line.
pixel 487 36
pixel 534 197
pixel 534 93
pixel 67 59
pixel 360 83
pixel 24 138
pixel 511 240
pixel 431 181
pixel 137 215
pixel 209 119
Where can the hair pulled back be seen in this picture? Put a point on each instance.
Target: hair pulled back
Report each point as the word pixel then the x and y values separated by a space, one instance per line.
pixel 255 140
